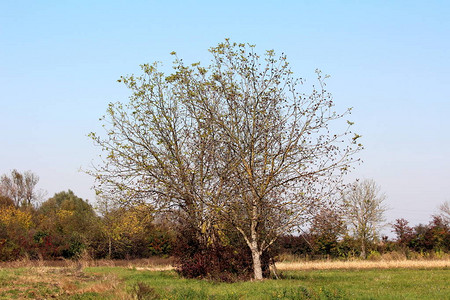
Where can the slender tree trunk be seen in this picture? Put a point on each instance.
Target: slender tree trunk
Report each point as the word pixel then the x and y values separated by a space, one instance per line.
pixel 109 247
pixel 363 249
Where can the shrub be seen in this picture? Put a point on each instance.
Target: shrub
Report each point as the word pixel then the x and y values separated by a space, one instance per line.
pixel 143 291
pixel 214 259
pixel 394 255
pixel 296 245
pixel 160 243
pixel 374 256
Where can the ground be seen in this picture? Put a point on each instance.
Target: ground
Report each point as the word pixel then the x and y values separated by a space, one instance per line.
pixel 145 280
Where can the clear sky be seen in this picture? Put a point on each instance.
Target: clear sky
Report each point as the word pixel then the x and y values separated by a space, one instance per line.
pixel 390 60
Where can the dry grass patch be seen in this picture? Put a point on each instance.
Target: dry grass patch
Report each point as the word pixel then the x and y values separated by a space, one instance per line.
pixel 87 262
pixel 362 264
pixel 155 268
pixel 51 282
pixel 103 284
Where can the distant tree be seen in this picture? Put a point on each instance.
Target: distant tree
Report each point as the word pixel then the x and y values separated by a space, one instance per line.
pixel 128 230
pixel 296 244
pixel 20 187
pixel 439 234
pixel 432 237
pixel 365 212
pixel 421 241
pixel 70 219
pixel 327 227
pixel 105 207
pixel 13 217
pixel 235 143
pixel 6 201
pixel 403 232
pixel 444 212
pixel 15 224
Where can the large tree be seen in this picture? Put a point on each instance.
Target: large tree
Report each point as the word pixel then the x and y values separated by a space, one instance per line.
pixel 235 142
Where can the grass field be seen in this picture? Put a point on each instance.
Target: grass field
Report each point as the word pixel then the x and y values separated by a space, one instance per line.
pixel 129 282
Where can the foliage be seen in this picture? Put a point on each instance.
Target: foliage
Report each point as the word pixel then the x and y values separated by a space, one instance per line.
pixel 434 237
pixel 160 241
pixel 68 224
pixel 5 201
pixel 129 222
pixel 403 232
pixel 300 245
pixel 421 241
pixel 129 230
pixel 327 227
pixel 14 226
pixel 217 260
pixel 15 219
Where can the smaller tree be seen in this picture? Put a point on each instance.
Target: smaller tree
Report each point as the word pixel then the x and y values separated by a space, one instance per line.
pixel 403 231
pixel 20 187
pixel 432 237
pixel 69 219
pixel 444 212
pixel 127 230
pixel 365 212
pixel 326 228
pixel 14 227
pixel 439 234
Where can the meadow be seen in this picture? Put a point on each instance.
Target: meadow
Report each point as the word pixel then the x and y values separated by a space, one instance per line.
pixel 145 280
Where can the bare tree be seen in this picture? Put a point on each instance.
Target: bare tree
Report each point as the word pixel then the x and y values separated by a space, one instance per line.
pixel 234 142
pixel 365 211
pixel 20 187
pixel 444 212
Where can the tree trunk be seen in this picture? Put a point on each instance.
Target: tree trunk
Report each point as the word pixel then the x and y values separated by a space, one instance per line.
pixel 257 268
pixel 256 253
pixel 109 247
pixel 363 249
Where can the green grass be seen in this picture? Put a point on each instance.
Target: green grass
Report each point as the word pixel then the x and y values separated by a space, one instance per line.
pixel 335 284
pixel 125 283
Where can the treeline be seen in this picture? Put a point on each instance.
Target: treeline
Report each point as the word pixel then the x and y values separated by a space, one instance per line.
pixel 66 226
pixel 420 241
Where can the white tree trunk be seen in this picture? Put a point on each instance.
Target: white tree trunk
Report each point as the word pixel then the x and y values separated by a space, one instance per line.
pixel 363 249
pixel 256 253
pixel 256 256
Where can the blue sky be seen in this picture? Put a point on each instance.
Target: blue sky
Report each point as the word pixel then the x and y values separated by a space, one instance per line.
pixel 59 62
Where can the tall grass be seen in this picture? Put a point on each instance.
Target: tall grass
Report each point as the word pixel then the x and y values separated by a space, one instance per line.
pixel 362 264
pixel 373 255
pixel 154 263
